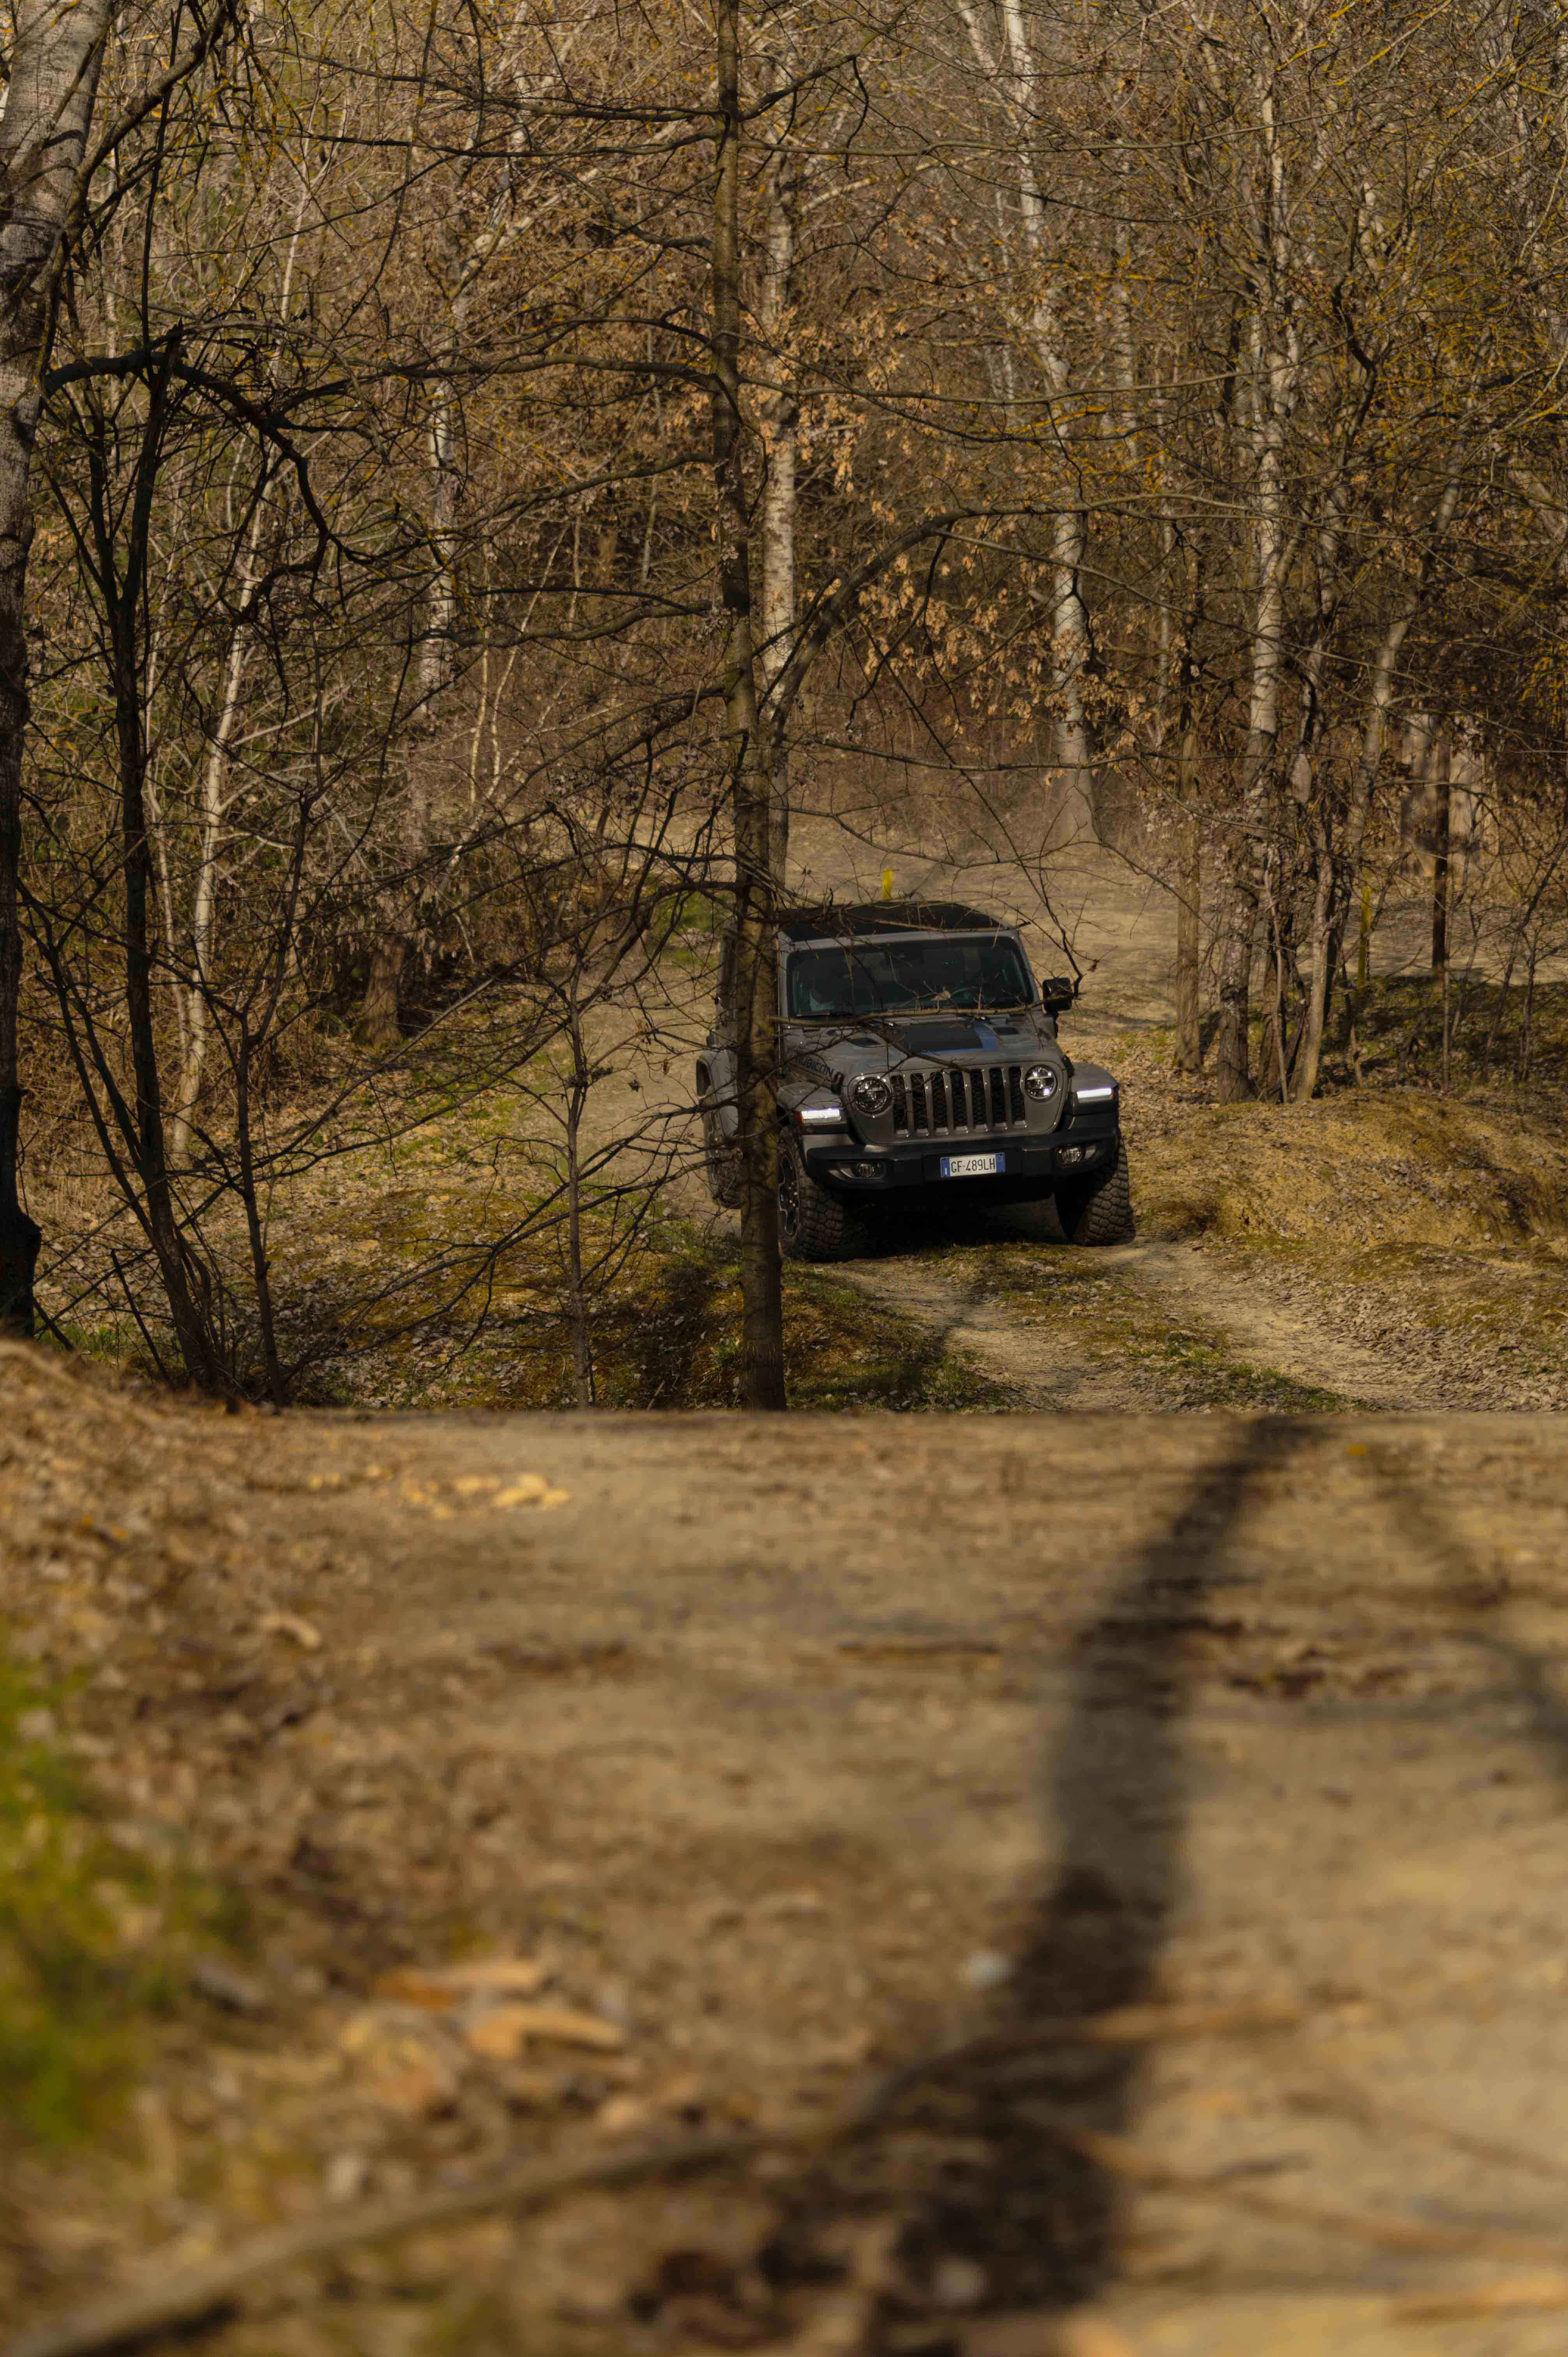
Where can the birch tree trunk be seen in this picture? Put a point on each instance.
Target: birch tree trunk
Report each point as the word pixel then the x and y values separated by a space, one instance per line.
pixel 781 427
pixel 193 1001
pixel 1233 1063
pixel 1308 789
pixel 755 967
pixel 1381 699
pixel 1016 73
pixel 1274 367
pixel 54 60
pixel 1189 899
pixel 195 1029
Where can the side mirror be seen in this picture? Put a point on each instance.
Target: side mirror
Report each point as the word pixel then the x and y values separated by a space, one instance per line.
pixel 1058 991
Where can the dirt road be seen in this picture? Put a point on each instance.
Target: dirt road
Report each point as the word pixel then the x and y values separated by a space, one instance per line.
pixel 1156 1818
pixel 793 1750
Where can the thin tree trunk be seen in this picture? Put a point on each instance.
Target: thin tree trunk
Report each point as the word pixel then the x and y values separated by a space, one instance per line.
pixel 1014 70
pixel 1320 974
pixel 577 1098
pixel 1189 897
pixel 1440 849
pixel 56 51
pixel 193 1002
pixel 123 606
pixel 1311 789
pixel 1364 947
pixel 1274 376
pixel 1380 704
pixel 1271 1060
pixel 755 967
pixel 1071 653
pixel 196 1027
pixel 435 651
pixel 781 423
pixel 1232 1057
pixel 277 1390
pixel 379 1026
pixel 1524 1044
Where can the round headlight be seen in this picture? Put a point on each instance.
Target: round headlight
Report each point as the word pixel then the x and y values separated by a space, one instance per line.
pixel 871 1095
pixel 1041 1081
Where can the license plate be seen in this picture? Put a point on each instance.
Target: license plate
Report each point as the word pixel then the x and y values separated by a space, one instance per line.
pixel 970 1165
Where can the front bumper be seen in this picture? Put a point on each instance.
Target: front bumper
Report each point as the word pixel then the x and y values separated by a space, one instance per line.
pixel 1025 1164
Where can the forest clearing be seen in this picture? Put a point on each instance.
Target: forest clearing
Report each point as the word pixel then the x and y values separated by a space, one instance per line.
pixel 756 1766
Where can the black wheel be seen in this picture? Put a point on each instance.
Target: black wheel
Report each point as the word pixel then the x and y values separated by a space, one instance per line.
pixel 721 1160
pixel 813 1224
pixel 1098 1210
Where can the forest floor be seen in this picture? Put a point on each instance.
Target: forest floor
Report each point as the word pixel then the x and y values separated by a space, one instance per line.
pixel 1083 1884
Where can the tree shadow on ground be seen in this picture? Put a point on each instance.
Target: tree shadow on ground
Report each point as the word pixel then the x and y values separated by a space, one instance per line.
pixel 983 2151
pixel 1003 2188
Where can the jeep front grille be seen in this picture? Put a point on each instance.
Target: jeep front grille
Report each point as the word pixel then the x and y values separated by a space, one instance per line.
pixel 982 1096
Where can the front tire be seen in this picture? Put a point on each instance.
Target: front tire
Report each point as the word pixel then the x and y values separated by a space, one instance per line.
pixel 813 1224
pixel 1099 1210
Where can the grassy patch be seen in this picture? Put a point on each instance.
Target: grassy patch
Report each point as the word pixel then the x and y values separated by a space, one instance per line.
pixel 1095 1313
pixel 1200 1369
pixel 92 1934
pixel 1399 1167
pixel 416 1315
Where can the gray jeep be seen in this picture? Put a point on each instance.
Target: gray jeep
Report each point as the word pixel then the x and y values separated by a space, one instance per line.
pixel 917 1050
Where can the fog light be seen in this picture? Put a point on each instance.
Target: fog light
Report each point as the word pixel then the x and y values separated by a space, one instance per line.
pixel 869 1169
pixel 1069 1154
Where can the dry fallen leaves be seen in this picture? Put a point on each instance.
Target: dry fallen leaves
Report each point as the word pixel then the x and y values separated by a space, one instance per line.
pixel 405 2070
pixel 531 1490
pixel 501 2036
pixel 304 1632
pixel 439 1988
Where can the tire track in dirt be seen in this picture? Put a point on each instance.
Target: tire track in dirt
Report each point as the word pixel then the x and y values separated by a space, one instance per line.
pixel 967 1315
pixel 1192 1281
pixel 1189 1287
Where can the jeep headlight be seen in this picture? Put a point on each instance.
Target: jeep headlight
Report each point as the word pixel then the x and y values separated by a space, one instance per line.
pixel 1041 1081
pixel 871 1095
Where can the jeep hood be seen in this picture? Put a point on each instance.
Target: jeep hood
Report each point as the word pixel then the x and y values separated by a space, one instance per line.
pixel 888 1042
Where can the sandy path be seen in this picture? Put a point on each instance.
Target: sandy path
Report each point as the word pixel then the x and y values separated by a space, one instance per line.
pixel 1053 1366
pixel 1194 1281
pixel 792 1744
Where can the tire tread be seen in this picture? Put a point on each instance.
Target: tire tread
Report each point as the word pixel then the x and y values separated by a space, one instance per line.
pixel 1100 1210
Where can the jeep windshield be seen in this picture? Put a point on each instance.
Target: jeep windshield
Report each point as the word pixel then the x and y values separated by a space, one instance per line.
pixel 964 971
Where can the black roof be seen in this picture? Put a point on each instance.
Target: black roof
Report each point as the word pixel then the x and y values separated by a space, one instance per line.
pixel 836 920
